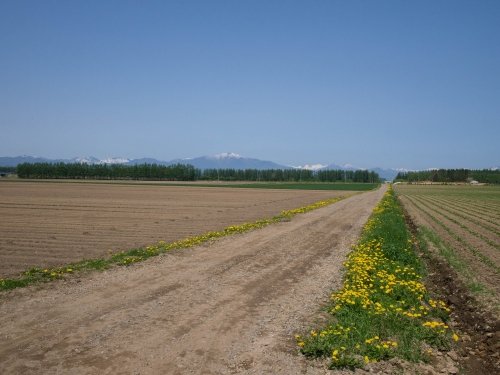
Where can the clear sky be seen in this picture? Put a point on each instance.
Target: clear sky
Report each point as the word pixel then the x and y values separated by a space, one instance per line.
pixel 412 84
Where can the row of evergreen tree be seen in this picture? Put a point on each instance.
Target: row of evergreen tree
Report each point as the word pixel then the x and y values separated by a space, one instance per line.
pixel 179 172
pixel 7 169
pixel 293 175
pixel 186 172
pixel 451 175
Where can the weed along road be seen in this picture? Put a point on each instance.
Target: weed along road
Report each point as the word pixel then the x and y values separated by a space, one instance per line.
pixel 229 307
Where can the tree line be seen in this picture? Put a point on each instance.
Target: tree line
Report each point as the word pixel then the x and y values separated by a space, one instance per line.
pixel 451 175
pixel 186 172
pixel 179 172
pixel 7 169
pixel 289 175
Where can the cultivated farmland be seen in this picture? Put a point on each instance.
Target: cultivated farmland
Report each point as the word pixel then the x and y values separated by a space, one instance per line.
pixel 467 220
pixel 48 223
pixel 232 307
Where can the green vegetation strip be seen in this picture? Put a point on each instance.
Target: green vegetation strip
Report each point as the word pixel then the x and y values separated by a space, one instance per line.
pixel 383 309
pixel 342 186
pixel 295 186
pixel 427 237
pixel 124 258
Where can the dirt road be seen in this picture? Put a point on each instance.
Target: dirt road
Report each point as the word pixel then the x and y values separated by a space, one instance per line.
pixel 230 307
pixel 48 223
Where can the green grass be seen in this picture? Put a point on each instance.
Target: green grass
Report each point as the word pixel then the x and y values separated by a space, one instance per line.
pixel 427 237
pixel 297 185
pixel 383 309
pixel 124 258
pixel 342 186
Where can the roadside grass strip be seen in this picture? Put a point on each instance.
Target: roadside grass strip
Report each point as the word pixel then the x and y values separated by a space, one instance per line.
pixel 124 258
pixel 383 309
pixel 428 237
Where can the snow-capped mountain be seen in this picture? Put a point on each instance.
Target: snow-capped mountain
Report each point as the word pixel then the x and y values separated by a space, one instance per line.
pixel 94 160
pixel 218 161
pixel 114 161
pixel 387 174
pixel 312 167
pixel 346 167
pixel 226 155
pixel 85 160
pixel 228 160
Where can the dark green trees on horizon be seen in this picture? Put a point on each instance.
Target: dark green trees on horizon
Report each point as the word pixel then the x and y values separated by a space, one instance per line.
pixel 489 176
pixel 186 172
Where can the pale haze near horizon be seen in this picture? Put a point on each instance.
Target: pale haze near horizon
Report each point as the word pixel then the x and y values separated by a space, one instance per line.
pixel 388 83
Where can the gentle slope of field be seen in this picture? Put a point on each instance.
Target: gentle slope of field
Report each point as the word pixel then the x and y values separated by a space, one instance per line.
pixel 46 224
pixel 229 307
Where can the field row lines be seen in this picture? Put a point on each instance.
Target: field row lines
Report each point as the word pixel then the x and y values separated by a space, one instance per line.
pixel 440 210
pixel 484 210
pixel 480 207
pixel 480 219
pixel 472 250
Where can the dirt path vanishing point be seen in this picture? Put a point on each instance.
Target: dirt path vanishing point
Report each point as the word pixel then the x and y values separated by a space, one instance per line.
pixel 225 308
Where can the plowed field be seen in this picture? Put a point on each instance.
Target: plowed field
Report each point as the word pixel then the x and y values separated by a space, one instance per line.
pixel 467 218
pixel 47 223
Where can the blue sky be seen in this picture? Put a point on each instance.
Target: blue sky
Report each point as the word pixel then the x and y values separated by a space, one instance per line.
pixel 412 84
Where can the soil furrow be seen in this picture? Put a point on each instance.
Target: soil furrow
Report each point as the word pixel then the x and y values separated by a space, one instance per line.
pixel 469 225
pixel 478 248
pixel 484 272
pixel 463 211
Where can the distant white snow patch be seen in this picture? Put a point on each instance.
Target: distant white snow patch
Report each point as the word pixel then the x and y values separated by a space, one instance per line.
pixel 228 155
pixel 311 167
pixel 114 161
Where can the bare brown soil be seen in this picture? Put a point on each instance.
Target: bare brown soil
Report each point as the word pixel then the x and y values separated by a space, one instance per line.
pixel 52 223
pixel 452 219
pixel 480 224
pixel 484 272
pixel 462 230
pixel 225 308
pixel 488 218
pixel 479 347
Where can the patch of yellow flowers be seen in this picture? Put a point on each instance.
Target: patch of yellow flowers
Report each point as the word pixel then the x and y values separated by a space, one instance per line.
pixel 368 274
pixel 378 287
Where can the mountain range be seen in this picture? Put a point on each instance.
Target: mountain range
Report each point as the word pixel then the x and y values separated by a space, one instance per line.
pixel 220 161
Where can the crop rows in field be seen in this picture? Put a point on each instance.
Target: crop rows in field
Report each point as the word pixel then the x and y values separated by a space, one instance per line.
pixel 47 224
pixel 467 218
